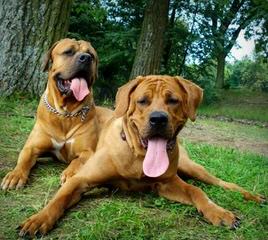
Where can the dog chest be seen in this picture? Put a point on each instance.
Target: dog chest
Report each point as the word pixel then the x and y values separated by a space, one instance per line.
pixel 63 149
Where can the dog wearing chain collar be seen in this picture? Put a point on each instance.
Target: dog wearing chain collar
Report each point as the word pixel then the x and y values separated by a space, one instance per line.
pixel 67 121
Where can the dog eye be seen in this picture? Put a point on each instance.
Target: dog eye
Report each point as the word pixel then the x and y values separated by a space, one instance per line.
pixel 69 52
pixel 91 55
pixel 143 101
pixel 172 101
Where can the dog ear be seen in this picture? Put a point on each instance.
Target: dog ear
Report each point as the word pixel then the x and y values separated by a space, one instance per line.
pixel 194 96
pixel 122 98
pixel 95 70
pixel 47 57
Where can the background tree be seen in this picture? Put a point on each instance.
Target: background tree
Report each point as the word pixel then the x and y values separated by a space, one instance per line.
pixel 196 37
pixel 252 74
pixel 220 24
pixel 28 28
pixel 151 41
pixel 258 29
pixel 114 28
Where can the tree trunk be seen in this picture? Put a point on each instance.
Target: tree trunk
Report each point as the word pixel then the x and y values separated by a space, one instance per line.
pixel 28 28
pixel 220 70
pixel 168 45
pixel 151 42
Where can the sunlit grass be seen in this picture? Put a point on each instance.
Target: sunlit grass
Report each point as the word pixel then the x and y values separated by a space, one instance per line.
pixel 239 104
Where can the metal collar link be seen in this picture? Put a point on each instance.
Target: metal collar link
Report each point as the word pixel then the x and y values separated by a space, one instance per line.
pixel 83 111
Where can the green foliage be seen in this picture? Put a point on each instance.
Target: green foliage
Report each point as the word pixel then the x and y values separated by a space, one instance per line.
pixel 117 55
pixel 87 20
pixel 249 73
pixel 113 28
pixel 214 27
pixel 259 28
pixel 204 76
pixel 126 12
pixel 179 38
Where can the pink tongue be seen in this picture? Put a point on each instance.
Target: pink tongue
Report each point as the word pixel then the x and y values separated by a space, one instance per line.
pixel 79 88
pixel 156 159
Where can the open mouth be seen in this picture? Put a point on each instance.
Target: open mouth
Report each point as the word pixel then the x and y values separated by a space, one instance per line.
pixel 170 143
pixel 76 85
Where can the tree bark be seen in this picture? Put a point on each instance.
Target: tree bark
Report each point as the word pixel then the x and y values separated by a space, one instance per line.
pixel 220 70
pixel 151 42
pixel 28 28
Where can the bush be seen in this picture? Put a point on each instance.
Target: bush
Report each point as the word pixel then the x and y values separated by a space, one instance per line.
pixel 249 73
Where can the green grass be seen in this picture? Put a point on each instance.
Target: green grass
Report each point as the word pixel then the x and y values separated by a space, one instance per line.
pixel 120 215
pixel 236 130
pixel 239 104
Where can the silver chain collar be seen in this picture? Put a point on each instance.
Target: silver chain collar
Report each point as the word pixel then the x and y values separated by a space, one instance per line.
pixel 83 111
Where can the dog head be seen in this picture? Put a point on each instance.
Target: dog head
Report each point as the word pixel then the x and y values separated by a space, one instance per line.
pixel 72 67
pixel 156 108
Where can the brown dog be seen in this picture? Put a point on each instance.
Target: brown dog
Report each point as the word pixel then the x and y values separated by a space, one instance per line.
pixel 67 122
pixel 138 150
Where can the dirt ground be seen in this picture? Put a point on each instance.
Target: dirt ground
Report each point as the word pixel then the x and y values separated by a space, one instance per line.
pixel 239 136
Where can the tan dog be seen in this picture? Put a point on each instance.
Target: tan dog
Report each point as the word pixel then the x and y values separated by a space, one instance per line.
pixel 67 122
pixel 138 150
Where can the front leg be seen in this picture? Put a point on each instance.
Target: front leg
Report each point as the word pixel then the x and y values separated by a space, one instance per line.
pixel 37 143
pixel 96 170
pixel 68 195
pixel 179 191
pixel 194 170
pixel 75 165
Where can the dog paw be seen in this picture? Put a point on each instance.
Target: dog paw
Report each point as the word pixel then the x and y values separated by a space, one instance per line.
pixel 38 224
pixel 256 198
pixel 261 199
pixel 14 179
pixel 221 217
pixel 66 174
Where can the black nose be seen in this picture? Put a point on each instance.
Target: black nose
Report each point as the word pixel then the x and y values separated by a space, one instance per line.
pixel 158 119
pixel 84 58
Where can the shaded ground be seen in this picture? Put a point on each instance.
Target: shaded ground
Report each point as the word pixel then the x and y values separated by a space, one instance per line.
pixel 239 104
pixel 249 138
